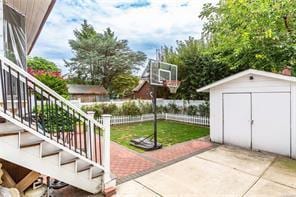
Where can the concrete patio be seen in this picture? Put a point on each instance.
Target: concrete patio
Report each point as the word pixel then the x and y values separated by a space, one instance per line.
pixel 224 170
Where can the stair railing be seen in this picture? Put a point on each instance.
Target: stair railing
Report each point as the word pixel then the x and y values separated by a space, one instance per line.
pixel 35 105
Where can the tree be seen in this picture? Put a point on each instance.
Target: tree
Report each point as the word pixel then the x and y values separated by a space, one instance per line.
pixel 99 57
pixel 252 34
pixel 237 35
pixel 39 63
pixel 123 84
pixel 58 84
pixel 196 68
pixel 48 73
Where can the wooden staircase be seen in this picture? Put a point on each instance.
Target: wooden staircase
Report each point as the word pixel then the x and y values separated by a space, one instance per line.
pixel 61 142
pixel 27 150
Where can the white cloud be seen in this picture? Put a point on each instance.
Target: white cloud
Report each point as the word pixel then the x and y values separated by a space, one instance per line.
pixel 145 27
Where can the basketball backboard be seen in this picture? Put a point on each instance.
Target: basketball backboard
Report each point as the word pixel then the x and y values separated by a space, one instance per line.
pixel 157 72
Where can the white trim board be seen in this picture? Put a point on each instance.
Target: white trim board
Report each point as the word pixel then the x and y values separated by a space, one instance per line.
pixel 244 73
pixel 1 29
pixel 1 37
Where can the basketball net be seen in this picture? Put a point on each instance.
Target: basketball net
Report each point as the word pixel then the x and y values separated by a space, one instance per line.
pixel 173 85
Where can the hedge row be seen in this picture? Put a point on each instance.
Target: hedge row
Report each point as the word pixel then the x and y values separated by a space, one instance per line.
pixel 138 108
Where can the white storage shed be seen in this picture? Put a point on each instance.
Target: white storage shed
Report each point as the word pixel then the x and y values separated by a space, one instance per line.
pixel 256 110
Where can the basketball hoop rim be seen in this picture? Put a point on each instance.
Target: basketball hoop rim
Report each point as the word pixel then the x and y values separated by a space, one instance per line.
pixel 173 85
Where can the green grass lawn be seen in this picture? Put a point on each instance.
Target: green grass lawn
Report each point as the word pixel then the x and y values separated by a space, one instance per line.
pixel 169 132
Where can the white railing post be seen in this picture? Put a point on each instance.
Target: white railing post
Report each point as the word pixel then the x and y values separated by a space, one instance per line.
pixel 166 116
pixel 90 136
pixel 106 153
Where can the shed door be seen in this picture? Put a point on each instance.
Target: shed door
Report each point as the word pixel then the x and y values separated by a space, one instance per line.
pixel 237 119
pixel 271 127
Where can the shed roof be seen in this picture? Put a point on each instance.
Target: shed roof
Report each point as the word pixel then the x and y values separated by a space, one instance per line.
pixel 244 73
pixel 139 86
pixel 86 89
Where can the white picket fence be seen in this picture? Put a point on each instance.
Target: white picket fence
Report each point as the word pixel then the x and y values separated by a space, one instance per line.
pixel 199 120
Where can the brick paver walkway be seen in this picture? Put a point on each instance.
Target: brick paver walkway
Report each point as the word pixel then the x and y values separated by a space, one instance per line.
pixel 126 163
pixel 178 151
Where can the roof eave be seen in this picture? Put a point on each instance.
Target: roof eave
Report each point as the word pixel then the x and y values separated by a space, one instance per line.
pixel 204 89
pixel 246 72
pixel 49 9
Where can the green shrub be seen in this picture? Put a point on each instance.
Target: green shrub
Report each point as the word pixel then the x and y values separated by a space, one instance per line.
pixel 109 109
pixel 96 108
pixel 39 63
pixel 54 119
pixel 58 84
pixel 192 110
pixel 100 109
pixel 130 108
pixel 173 108
pixel 138 108
pixel 162 109
pixel 204 109
pixel 145 108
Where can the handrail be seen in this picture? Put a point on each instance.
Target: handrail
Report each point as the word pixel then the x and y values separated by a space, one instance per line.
pixel 41 109
pixel 45 87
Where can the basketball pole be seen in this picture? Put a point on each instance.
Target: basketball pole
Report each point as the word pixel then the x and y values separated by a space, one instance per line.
pixel 154 100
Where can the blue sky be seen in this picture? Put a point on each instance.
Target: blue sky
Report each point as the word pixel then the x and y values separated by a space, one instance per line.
pixel 146 24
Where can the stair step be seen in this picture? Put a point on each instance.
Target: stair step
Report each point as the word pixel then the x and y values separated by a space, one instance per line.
pixel 8 134
pixel 51 153
pixel 28 137
pixel 36 143
pixel 69 161
pixel 85 168
pixel 98 175
pixel 8 128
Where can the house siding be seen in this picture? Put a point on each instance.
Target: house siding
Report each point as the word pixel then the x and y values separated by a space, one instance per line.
pixel 90 98
pixel 144 92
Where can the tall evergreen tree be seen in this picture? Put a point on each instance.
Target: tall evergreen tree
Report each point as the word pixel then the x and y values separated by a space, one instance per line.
pixel 99 57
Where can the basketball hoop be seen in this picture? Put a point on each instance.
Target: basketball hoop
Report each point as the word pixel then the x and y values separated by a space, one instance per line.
pixel 173 85
pixel 158 74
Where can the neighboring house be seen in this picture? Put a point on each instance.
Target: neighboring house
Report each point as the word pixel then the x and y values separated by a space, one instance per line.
pixel 44 133
pixel 87 93
pixel 143 91
pixel 255 110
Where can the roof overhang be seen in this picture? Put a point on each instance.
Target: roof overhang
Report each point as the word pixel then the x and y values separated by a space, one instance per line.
pixel 140 85
pixel 36 13
pixel 244 73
